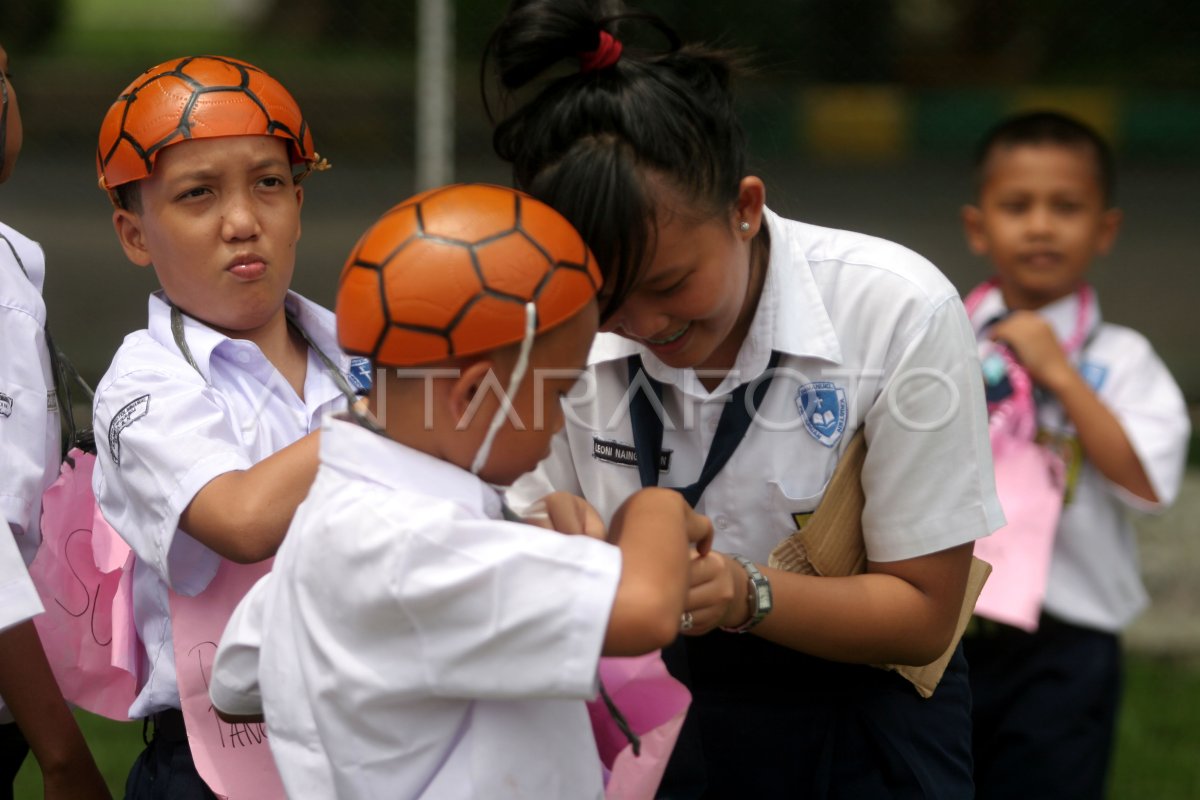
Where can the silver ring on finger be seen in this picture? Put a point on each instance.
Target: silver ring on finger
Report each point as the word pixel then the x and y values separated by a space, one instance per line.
pixel 686 621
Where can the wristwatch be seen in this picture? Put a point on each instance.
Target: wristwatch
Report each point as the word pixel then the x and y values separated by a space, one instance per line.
pixel 758 594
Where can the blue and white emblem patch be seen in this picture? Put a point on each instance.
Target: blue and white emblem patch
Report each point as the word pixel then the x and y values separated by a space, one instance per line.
pixel 823 408
pixel 1094 374
pixel 360 375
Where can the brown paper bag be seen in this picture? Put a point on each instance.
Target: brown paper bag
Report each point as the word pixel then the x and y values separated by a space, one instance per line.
pixel 831 544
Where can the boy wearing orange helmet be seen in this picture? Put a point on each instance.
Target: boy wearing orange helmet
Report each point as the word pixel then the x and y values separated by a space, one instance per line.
pixel 33 714
pixel 411 640
pixel 206 418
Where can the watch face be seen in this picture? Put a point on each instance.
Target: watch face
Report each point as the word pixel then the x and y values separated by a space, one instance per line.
pixel 758 594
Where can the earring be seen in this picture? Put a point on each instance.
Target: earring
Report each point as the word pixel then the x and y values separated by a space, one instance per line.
pixel 744 226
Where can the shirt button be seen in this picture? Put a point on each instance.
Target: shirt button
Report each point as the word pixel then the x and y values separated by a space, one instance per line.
pixel 712 423
pixel 722 522
pixel 242 357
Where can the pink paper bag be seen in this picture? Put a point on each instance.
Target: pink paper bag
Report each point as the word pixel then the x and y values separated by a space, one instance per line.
pixel 1029 485
pixel 234 759
pixel 654 704
pixel 84 571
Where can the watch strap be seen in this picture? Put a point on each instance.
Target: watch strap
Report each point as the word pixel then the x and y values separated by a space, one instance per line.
pixel 758 595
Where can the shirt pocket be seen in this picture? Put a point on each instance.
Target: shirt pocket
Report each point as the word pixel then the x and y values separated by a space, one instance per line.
pixel 791 506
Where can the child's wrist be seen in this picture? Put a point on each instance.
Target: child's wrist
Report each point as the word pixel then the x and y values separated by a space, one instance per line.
pixel 1058 378
pixel 738 612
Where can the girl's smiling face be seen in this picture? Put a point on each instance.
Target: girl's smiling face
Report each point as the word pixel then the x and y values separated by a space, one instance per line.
pixel 695 298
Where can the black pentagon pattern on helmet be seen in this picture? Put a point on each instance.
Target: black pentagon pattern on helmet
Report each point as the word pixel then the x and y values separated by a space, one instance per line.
pixel 471 247
pixel 183 130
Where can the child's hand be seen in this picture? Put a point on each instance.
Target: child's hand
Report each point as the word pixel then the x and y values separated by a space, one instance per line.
pixel 1035 345
pixel 566 513
pixel 699 530
pixel 714 597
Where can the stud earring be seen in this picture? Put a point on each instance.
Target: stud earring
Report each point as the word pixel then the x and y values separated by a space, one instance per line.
pixel 744 226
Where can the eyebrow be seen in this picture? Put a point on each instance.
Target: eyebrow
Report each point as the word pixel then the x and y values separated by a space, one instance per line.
pixel 208 173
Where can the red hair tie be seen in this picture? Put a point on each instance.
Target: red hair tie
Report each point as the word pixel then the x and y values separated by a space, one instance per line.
pixel 607 53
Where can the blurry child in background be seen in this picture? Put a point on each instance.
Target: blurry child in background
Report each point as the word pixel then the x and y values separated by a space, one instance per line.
pixel 414 642
pixel 1045 703
pixel 30 450
pixel 206 420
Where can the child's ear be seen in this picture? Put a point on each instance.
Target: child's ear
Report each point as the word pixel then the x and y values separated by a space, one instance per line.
pixel 1110 224
pixel 299 207
pixel 468 383
pixel 132 236
pixel 972 219
pixel 752 196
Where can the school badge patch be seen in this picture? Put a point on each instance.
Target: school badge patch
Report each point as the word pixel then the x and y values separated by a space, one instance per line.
pixel 360 375
pixel 6 405
pixel 822 406
pixel 128 415
pixel 1094 374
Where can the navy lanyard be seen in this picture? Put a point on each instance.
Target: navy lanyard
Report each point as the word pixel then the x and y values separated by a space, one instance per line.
pixel 731 429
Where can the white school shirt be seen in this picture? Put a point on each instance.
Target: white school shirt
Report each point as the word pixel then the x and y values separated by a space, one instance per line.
pixel 871 334
pixel 416 645
pixel 164 430
pixel 29 425
pixel 19 599
pixel 1095 577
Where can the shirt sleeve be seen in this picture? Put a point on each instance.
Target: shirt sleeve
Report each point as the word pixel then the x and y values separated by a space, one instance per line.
pixel 160 437
pixel 1147 401
pixel 19 599
pixel 928 476
pixel 25 394
pixel 234 687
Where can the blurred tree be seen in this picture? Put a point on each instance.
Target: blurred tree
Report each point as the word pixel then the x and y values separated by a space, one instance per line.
pixel 29 24
pixel 924 42
pixel 384 23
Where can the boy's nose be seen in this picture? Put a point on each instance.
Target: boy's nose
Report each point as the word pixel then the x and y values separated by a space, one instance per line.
pixel 238 219
pixel 1039 220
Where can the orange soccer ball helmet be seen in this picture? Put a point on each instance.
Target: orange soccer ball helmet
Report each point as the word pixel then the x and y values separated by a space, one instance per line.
pixel 193 98
pixel 449 272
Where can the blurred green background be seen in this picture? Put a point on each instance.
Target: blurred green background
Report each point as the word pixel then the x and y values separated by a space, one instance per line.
pixel 862 115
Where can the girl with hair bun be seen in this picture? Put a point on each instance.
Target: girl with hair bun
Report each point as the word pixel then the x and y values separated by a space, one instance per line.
pixel 741 353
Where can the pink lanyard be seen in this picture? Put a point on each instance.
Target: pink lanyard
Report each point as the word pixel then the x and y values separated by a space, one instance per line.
pixel 1017 413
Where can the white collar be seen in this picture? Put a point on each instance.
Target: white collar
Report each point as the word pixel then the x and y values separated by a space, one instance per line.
pixel 202 341
pixel 791 317
pixel 372 457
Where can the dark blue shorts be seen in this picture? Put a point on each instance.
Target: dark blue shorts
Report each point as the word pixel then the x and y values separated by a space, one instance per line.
pixel 1045 709
pixel 769 722
pixel 165 769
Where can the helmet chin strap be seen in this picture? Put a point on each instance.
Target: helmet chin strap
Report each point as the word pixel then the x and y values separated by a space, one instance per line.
pixel 514 383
